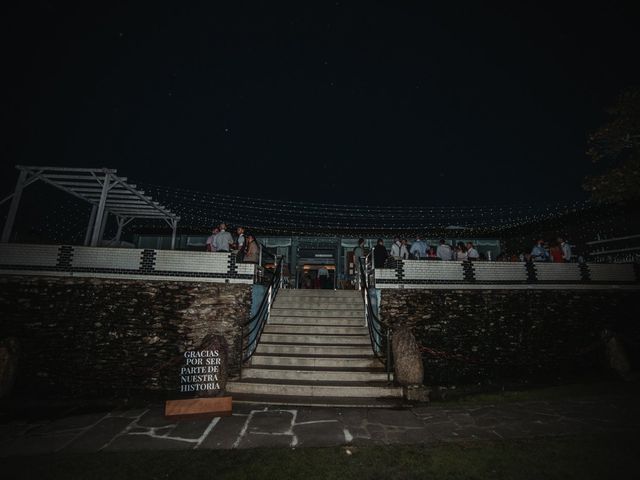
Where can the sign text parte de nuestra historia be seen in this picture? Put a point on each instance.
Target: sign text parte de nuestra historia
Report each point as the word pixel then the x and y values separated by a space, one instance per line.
pixel 200 371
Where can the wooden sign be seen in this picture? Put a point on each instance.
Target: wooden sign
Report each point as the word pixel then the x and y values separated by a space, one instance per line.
pixel 204 406
pixel 202 379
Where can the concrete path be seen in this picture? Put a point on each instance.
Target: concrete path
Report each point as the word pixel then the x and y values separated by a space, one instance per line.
pixel 258 426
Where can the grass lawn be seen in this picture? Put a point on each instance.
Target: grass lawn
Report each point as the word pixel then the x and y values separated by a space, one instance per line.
pixel 584 457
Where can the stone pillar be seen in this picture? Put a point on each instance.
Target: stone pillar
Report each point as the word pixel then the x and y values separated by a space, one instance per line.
pixel 408 366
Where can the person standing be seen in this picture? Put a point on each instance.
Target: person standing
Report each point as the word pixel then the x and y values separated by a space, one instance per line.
pixel 566 249
pixel 251 250
pixel 223 240
pixel 358 252
pixel 539 253
pixel 323 277
pixel 307 281
pixel 555 252
pixel 444 251
pixel 380 254
pixel 472 253
pixel 404 251
pixel 395 248
pixel 209 243
pixel 418 249
pixel 240 238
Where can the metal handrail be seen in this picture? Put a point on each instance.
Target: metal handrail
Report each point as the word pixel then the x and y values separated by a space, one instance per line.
pixel 379 333
pixel 251 330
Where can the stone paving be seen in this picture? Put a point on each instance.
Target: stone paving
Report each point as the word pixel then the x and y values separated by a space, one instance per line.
pixel 290 427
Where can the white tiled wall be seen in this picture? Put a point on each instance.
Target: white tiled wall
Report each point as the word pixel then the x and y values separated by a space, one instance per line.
pixel 95 257
pixel 205 262
pixel 507 272
pixel 558 271
pixel 28 255
pixel 385 274
pixel 246 268
pixel 433 270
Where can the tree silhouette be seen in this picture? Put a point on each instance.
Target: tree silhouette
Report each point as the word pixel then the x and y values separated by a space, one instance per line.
pixel 616 146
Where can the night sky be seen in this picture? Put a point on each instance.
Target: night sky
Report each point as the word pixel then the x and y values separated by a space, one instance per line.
pixel 346 103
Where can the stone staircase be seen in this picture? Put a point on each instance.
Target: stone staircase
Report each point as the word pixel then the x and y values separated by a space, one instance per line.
pixel 315 350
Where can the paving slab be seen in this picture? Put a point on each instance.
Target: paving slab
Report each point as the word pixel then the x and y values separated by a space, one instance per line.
pixel 404 418
pixel 253 426
pixel 146 442
pixel 76 422
pixel 377 434
pixel 508 431
pixel 225 433
pixel 254 440
pixel 325 434
pixel 462 418
pixel 352 417
pixel 442 431
pixel 367 442
pixel 357 432
pixel 191 429
pixel 100 435
pixel 132 412
pixel 410 436
pixel 154 417
pixel 472 432
pixel 267 422
pixel 313 414
pixel 160 431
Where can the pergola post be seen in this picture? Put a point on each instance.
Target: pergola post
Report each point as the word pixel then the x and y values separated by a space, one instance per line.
pixel 98 227
pixel 101 188
pixel 120 221
pixel 174 227
pixel 103 225
pixel 13 208
pixel 92 219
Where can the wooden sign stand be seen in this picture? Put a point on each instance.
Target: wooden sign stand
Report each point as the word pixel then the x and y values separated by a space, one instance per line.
pixel 201 406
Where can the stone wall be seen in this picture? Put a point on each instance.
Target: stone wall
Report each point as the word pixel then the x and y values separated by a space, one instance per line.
pixel 87 337
pixel 478 336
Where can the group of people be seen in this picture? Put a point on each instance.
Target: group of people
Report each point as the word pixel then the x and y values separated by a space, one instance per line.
pixel 418 250
pixel 245 245
pixel 558 251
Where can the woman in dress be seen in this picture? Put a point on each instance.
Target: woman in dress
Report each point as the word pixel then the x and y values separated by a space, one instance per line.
pixel 461 252
pixel 251 250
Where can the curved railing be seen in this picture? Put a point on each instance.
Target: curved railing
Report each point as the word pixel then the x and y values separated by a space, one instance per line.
pixel 251 330
pixel 379 333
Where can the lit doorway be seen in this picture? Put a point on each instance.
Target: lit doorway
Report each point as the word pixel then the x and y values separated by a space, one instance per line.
pixel 316 276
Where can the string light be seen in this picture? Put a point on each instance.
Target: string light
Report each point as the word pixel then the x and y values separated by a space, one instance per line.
pixel 206 209
pixel 199 211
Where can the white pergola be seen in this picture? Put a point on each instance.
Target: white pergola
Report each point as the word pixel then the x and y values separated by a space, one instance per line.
pixel 100 187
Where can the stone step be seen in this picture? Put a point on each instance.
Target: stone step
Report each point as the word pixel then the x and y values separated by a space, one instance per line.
pixel 318 375
pixel 317 312
pixel 313 389
pixel 275 348
pixel 333 304
pixel 345 322
pixel 315 361
pixel 315 339
pixel 332 402
pixel 315 329
pixel 289 292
